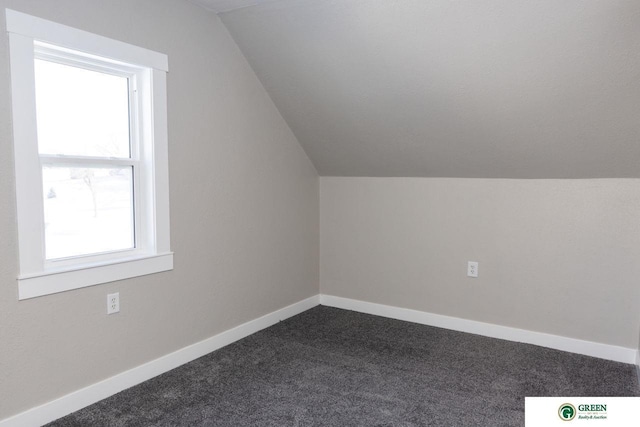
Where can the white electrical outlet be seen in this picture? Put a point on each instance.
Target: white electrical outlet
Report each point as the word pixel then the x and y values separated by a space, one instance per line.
pixel 113 303
pixel 472 268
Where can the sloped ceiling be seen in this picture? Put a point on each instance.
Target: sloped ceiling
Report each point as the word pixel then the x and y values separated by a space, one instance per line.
pixel 219 6
pixel 453 88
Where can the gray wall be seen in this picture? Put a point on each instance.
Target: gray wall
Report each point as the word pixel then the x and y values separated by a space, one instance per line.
pixel 556 256
pixel 244 213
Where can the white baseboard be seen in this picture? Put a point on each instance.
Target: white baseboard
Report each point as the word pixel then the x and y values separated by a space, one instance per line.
pixel 603 351
pixel 84 397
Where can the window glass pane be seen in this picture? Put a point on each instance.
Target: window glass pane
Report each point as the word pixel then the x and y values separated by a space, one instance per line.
pixel 87 210
pixel 81 112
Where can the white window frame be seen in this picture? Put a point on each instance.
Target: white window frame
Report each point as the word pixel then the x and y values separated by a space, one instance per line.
pixel 30 38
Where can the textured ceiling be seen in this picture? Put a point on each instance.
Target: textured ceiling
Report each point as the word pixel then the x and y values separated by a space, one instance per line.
pixel 466 88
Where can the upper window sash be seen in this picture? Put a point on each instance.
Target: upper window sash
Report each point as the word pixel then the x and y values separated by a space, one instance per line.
pixel 133 74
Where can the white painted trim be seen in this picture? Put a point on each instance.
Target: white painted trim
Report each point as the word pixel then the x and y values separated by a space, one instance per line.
pixel 84 397
pixel 159 136
pixel 35 285
pixel 29 203
pixel 603 351
pixel 62 35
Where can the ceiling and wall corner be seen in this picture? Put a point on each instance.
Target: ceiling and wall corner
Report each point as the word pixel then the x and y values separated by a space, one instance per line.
pixel 489 88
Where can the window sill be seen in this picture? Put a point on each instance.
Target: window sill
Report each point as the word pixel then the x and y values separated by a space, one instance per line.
pixel 51 282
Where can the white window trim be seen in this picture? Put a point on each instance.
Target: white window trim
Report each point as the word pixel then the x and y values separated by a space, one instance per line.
pixel 38 277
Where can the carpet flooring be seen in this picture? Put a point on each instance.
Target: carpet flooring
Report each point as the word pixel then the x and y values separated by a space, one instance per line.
pixel 331 367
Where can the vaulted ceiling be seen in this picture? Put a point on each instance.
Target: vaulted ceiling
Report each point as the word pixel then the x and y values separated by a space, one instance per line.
pixel 219 6
pixel 452 88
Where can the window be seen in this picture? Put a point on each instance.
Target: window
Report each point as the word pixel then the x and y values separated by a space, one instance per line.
pixel 90 143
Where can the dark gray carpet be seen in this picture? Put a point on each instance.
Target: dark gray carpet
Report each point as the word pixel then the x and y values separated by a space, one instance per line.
pixel 330 367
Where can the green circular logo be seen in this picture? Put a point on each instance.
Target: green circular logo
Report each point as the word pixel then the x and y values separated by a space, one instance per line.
pixel 567 412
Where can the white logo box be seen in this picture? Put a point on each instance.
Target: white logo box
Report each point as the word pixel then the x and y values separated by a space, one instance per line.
pixel 582 411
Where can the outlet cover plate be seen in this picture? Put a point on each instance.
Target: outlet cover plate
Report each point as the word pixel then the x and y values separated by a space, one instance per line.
pixel 113 303
pixel 472 268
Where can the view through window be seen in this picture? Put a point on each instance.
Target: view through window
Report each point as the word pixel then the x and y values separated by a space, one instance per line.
pixel 83 124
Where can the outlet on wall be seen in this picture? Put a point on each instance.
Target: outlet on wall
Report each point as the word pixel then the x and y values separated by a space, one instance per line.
pixel 113 303
pixel 472 268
